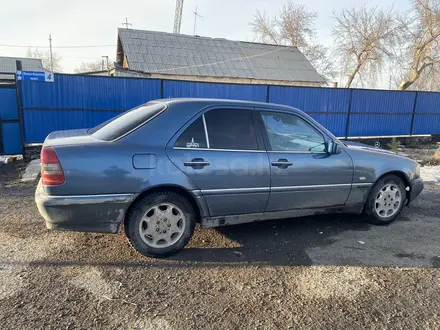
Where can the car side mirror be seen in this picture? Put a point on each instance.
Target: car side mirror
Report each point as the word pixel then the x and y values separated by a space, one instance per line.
pixel 333 148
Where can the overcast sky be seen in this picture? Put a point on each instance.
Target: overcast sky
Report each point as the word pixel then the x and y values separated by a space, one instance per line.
pixel 94 22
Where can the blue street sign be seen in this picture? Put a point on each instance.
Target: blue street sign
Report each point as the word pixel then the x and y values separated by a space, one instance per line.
pixel 35 76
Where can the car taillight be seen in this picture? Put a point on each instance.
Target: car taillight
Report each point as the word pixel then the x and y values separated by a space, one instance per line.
pixel 51 171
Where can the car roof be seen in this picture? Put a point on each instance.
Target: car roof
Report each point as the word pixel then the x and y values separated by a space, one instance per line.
pixel 209 101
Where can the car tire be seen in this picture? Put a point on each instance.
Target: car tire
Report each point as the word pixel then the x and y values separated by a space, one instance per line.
pixel 152 220
pixel 382 206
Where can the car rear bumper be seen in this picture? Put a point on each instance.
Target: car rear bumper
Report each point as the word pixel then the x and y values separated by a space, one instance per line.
pixel 416 188
pixel 92 213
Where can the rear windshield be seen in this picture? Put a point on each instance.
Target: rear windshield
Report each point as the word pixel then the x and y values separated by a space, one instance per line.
pixel 116 127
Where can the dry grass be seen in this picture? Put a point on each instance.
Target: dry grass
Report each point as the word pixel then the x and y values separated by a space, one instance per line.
pixel 428 156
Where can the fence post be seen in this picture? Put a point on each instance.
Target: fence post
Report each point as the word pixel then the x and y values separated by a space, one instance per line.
pixel 411 132
pixel 19 67
pixel 347 127
pixel 267 93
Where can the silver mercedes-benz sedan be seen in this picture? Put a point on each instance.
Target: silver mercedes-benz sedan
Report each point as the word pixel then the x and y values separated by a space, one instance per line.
pixel 164 166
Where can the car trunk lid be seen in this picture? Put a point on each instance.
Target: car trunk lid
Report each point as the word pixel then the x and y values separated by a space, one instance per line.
pixel 69 137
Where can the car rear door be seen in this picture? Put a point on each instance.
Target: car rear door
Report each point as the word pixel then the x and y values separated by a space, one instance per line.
pixel 303 174
pixel 223 153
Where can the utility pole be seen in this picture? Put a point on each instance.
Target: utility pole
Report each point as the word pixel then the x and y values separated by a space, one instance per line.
pixel 50 50
pixel 126 23
pixel 196 14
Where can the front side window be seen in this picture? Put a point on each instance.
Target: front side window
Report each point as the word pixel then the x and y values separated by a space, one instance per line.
pixel 288 132
pixel 193 137
pixel 231 129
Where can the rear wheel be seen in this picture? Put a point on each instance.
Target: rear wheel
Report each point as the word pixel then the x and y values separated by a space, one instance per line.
pixel 160 224
pixel 386 200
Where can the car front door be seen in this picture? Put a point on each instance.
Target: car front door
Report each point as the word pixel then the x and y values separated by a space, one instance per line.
pixel 223 153
pixel 303 174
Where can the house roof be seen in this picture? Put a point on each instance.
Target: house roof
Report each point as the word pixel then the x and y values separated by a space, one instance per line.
pixel 178 54
pixel 7 64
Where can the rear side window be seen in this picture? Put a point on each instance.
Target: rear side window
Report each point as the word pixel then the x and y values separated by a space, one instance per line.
pixel 127 121
pixel 231 129
pixel 193 137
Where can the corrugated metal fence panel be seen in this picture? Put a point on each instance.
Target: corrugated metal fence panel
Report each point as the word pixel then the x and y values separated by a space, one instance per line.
pixel 311 99
pixel 335 123
pixel 11 138
pixel 212 90
pixel 75 101
pixel 381 113
pixel 427 123
pixel 39 123
pixel 379 125
pixel 428 102
pixel 8 103
pixel 89 92
pixel 329 102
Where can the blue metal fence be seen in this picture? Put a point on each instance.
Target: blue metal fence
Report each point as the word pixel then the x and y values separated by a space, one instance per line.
pixel 80 102
pixel 173 88
pixel 10 138
pixel 328 106
pixel 84 101
pixel 39 123
pixel 427 113
pixel 379 113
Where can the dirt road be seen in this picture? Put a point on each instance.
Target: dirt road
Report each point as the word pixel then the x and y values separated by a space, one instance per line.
pixel 320 272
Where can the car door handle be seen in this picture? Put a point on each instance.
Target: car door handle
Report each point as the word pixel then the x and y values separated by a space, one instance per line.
pixel 197 162
pixel 282 163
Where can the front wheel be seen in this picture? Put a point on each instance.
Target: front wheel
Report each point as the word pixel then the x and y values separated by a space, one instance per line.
pixel 160 224
pixel 386 200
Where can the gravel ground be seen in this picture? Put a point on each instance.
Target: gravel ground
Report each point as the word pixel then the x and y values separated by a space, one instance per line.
pixel 317 272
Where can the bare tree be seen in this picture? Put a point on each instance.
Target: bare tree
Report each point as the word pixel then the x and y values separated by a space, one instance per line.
pixel 364 38
pixel 294 25
pixel 265 28
pixel 297 25
pixel 319 57
pixel 429 79
pixel 97 65
pixel 45 58
pixel 420 55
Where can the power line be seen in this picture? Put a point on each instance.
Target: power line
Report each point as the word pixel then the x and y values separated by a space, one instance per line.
pixel 81 58
pixel 74 46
